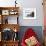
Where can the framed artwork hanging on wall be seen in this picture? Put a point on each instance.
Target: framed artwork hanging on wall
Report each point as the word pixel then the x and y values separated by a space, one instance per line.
pixel 29 13
pixel 5 12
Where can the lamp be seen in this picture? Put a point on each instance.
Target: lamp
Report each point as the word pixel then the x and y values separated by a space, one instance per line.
pixel 15 3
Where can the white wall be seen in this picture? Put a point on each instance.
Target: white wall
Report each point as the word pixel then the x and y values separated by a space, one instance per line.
pixel 27 4
pixel 39 13
pixel 7 3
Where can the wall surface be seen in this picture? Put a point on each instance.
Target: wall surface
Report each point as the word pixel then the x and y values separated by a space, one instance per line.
pixel 27 4
pixel 7 3
pixel 39 13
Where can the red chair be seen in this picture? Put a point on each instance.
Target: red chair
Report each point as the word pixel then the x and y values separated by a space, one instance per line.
pixel 29 33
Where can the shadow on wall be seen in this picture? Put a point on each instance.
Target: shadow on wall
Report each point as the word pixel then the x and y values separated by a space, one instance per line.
pixel 37 29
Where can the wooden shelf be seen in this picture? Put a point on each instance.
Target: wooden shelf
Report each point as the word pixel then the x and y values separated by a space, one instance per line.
pixel 9 43
pixel 10 26
pixel 12 43
pixel 9 8
pixel 4 24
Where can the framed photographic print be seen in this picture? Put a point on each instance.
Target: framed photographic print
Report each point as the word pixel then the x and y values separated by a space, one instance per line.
pixel 29 13
pixel 5 12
